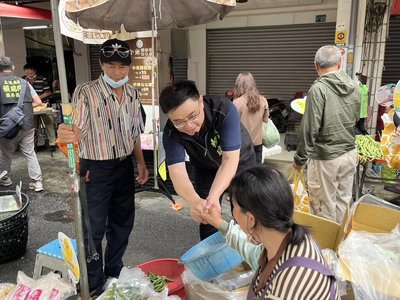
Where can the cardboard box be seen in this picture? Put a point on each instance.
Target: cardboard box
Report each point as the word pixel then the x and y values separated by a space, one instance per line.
pixel 324 231
pixel 375 218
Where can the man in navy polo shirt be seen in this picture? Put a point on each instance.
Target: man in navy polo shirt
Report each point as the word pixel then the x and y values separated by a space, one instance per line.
pixel 208 128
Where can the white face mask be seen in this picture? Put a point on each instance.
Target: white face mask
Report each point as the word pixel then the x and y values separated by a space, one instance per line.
pixel 115 84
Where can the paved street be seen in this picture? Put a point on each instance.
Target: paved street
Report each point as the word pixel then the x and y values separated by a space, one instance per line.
pixel 159 231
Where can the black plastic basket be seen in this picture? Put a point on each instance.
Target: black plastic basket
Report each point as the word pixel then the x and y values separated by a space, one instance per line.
pixel 14 230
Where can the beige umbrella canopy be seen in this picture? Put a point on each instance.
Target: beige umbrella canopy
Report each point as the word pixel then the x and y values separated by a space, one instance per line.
pixel 135 15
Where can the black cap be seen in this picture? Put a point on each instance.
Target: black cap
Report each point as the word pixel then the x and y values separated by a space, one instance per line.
pixel 115 50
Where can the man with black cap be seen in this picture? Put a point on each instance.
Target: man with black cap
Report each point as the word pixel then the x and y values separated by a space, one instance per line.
pixel 107 126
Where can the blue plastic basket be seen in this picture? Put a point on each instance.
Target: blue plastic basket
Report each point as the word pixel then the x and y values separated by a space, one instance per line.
pixel 211 257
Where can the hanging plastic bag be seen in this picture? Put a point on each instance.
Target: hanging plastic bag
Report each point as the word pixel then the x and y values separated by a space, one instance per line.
pixel 299 188
pixel 271 136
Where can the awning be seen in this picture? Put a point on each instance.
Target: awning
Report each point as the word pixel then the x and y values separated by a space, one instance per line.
pixel 24 12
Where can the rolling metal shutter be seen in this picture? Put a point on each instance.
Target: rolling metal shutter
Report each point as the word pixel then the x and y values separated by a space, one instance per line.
pixel 180 68
pixel 391 72
pixel 281 58
pixel 94 55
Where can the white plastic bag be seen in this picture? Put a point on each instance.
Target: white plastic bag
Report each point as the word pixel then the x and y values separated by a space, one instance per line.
pixel 47 287
pixel 134 284
pixel 333 263
pixel 271 136
pixel 197 289
pixel 373 261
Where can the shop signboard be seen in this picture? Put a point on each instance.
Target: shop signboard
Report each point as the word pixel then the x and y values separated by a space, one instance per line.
pixel 140 73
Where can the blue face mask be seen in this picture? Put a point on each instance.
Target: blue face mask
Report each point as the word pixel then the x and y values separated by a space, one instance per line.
pixel 115 84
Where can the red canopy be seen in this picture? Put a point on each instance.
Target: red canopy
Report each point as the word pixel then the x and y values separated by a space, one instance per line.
pixel 395 8
pixel 15 11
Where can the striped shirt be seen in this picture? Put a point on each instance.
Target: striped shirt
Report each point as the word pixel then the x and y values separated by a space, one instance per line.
pixel 297 283
pixel 39 84
pixel 110 128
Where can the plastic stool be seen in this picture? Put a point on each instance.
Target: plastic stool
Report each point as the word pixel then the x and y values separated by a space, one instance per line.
pixel 50 256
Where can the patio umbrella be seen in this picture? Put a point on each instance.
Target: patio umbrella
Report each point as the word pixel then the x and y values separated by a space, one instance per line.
pixel 136 15
pixel 143 15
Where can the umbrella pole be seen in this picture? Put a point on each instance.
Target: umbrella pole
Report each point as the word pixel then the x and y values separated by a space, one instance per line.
pixel 77 210
pixel 84 285
pixel 155 146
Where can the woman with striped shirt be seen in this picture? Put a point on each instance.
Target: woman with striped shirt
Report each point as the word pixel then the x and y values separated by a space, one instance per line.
pixel 290 264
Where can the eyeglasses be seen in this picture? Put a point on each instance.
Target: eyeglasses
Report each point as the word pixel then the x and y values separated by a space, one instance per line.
pixel 121 51
pixel 192 118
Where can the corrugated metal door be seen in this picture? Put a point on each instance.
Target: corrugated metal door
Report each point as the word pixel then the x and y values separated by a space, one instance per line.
pixel 94 55
pixel 281 58
pixel 180 68
pixel 391 72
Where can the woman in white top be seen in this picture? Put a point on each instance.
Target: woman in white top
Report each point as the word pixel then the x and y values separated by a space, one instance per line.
pixel 253 109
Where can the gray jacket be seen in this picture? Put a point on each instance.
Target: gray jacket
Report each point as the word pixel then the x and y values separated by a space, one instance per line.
pixel 332 111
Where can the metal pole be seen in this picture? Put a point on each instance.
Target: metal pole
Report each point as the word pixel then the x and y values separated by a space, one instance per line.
pixel 153 104
pixel 62 75
pixel 358 48
pixel 83 280
pixel 77 208
pixel 352 37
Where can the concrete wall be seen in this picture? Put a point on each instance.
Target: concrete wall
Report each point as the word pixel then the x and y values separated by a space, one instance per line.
pixel 249 18
pixel 14 47
pixel 81 62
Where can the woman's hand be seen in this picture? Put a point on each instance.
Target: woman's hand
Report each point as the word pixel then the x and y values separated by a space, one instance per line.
pixel 212 216
pixel 213 201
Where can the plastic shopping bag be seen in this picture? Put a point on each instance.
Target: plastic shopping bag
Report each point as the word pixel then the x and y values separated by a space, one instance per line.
pixel 232 285
pixel 271 136
pixel 373 263
pixel 299 188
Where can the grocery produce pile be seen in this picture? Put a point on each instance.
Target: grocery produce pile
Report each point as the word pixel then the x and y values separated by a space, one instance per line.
pixel 367 148
pixel 158 281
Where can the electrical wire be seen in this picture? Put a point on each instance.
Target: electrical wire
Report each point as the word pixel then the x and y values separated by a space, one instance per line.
pixel 376 11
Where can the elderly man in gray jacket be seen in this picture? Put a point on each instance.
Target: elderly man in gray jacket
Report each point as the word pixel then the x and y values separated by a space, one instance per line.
pixel 327 136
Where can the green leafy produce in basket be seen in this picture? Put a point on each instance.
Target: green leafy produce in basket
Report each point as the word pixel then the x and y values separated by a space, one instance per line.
pixel 158 281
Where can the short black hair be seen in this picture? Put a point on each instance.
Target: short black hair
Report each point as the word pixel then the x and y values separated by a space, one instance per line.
pixel 266 193
pixel 29 66
pixel 174 95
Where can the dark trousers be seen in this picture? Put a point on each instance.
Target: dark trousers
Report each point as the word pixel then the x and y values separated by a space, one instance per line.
pixel 110 190
pixel 202 184
pixel 258 150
